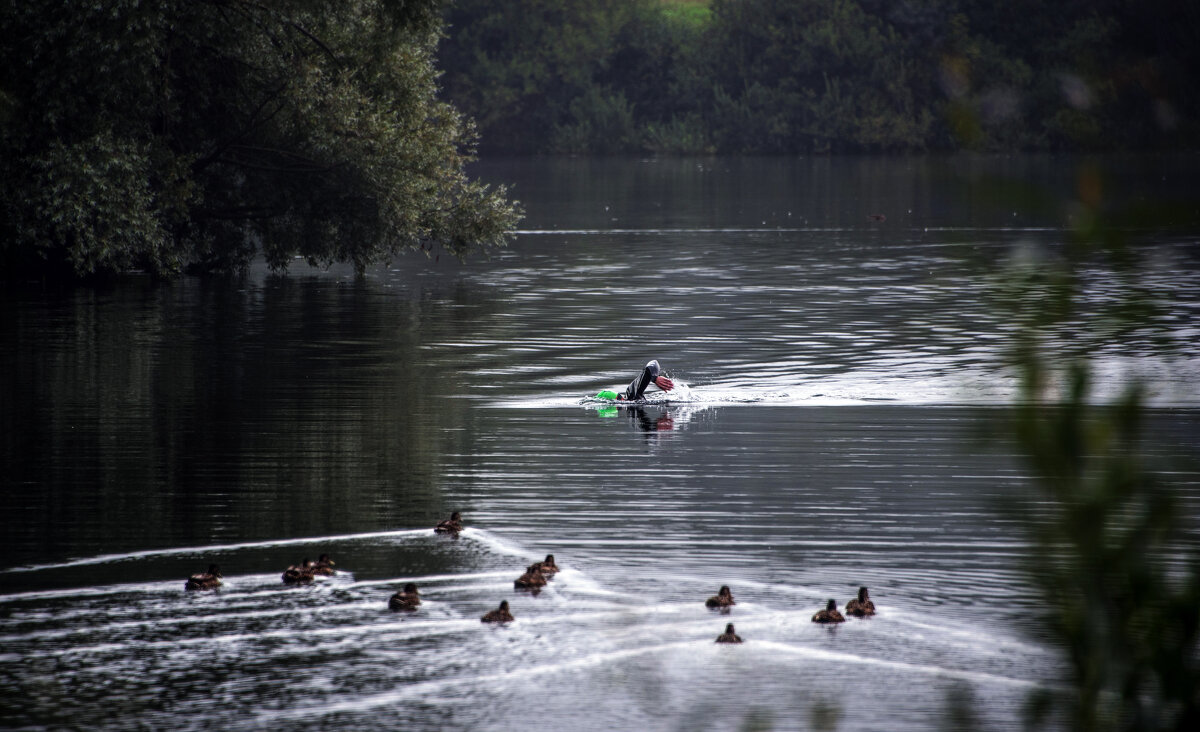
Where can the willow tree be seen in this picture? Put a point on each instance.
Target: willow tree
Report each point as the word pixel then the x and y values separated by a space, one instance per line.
pixel 172 134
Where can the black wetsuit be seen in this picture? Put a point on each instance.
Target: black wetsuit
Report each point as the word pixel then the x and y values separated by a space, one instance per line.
pixel 644 379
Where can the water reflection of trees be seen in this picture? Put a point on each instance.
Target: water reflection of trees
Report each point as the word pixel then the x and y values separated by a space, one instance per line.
pixel 193 407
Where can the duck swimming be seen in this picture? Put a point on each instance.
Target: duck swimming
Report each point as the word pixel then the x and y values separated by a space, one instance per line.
pixel 861 606
pixel 532 578
pixel 723 598
pixel 729 636
pixel 299 575
pixel 452 525
pixel 499 615
pixel 548 567
pixel 829 615
pixel 209 580
pixel 406 599
pixel 324 566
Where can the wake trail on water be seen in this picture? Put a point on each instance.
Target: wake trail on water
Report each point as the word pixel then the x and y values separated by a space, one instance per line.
pixel 578 621
pixel 778 230
pixel 422 690
pixel 198 620
pixel 427 578
pixel 500 545
pixel 491 541
pixel 700 648
pixel 839 657
pixel 218 549
pixel 973 638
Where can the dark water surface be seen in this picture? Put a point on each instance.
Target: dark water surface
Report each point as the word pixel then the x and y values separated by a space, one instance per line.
pixel 837 378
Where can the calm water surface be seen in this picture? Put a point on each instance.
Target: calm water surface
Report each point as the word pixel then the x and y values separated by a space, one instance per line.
pixel 837 378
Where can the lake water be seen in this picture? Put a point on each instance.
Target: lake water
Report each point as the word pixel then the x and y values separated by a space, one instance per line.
pixel 839 378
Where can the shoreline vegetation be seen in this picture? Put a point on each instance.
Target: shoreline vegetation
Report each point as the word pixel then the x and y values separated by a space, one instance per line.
pixel 823 76
pixel 192 136
pixel 179 136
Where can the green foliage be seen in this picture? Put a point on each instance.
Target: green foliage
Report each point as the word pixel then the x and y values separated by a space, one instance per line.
pixel 171 134
pixel 598 122
pixel 826 75
pixel 1104 542
pixel 1118 585
pixel 689 13
pixel 517 67
pixel 570 76
pixel 93 198
pixel 686 136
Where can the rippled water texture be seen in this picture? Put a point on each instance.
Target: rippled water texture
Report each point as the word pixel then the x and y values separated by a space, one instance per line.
pixel 840 382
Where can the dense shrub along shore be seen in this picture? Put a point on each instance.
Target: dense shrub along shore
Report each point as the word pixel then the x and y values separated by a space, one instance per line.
pixel 821 76
pixel 173 135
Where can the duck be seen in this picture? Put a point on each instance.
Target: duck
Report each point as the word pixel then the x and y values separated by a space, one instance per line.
pixel 723 598
pixel 548 567
pixel 829 615
pixel 324 566
pixel 301 574
pixel 729 636
pixel 532 578
pixel 499 615
pixel 877 217
pixel 452 525
pixel 861 606
pixel 209 580
pixel 406 599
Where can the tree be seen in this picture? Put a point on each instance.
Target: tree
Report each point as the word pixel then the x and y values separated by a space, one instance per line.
pixel 528 68
pixel 815 75
pixel 195 133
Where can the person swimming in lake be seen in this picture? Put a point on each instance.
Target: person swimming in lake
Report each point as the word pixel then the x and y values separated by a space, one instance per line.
pixel 651 374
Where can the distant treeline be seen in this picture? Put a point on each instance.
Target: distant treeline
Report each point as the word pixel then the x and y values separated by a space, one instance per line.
pixel 798 76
